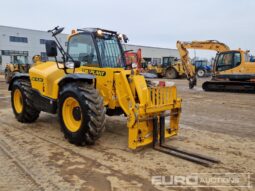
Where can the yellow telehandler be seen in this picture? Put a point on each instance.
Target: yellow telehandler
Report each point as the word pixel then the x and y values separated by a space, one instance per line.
pixel 91 82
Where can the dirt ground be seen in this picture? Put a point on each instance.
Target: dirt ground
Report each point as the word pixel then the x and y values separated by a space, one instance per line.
pixel 37 157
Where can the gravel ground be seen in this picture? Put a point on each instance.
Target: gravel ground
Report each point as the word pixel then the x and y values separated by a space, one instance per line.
pixel 37 157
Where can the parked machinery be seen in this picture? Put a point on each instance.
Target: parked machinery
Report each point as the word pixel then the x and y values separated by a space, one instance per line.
pixel 232 70
pixel 18 63
pixel 171 68
pixel 202 68
pixel 133 58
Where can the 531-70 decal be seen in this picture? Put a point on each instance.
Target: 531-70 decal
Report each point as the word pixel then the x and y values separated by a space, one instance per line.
pixel 37 79
pixel 94 72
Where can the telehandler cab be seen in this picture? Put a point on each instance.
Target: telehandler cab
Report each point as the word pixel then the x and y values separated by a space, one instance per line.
pixel 91 81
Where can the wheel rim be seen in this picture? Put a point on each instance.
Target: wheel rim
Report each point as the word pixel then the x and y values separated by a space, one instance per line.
pixel 18 101
pixel 201 72
pixel 71 114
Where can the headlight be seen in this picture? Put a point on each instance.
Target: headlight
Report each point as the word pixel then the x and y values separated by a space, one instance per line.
pixel 99 32
pixel 120 36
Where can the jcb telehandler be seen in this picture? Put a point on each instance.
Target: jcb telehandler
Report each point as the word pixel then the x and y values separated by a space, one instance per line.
pixel 90 82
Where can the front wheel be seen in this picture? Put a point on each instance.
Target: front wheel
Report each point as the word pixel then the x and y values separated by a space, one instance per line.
pixel 81 113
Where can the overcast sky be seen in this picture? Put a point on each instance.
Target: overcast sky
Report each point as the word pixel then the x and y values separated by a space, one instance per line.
pixel 146 22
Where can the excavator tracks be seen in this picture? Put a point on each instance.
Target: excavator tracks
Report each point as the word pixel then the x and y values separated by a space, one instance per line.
pixel 160 146
pixel 229 86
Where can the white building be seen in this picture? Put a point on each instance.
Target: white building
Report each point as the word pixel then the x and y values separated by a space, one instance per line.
pixel 155 55
pixel 20 45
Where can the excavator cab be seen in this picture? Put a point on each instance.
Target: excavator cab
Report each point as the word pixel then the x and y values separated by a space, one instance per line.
pixel 227 60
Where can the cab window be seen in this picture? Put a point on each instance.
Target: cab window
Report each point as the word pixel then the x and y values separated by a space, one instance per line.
pixel 81 48
pixel 237 59
pixel 228 60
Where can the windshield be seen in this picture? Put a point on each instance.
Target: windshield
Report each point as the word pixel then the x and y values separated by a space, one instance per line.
pixel 19 60
pixel 201 63
pixel 204 63
pixel 110 52
pixel 81 48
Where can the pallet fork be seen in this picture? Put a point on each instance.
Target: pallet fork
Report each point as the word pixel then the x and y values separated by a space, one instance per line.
pixel 159 145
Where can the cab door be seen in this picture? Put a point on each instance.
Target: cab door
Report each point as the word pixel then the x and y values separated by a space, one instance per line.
pixel 82 48
pixel 227 61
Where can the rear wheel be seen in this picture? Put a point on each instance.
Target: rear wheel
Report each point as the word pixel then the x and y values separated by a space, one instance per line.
pixel 171 73
pixel 81 113
pixel 22 103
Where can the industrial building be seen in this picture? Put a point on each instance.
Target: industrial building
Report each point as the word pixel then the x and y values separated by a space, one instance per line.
pixel 20 45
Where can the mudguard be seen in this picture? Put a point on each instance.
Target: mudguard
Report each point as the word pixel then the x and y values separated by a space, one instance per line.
pixel 77 77
pixel 17 76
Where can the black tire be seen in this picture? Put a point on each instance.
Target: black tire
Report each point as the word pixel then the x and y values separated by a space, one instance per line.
pixel 91 110
pixel 171 73
pixel 201 73
pixel 29 113
pixel 159 75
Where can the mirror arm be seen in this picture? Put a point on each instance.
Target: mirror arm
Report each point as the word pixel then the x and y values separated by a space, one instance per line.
pixel 65 55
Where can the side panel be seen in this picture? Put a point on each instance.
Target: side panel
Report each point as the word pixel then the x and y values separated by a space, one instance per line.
pixel 45 77
pixel 244 71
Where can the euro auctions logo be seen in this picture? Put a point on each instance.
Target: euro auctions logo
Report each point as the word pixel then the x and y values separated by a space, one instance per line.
pixel 241 180
pixel 191 180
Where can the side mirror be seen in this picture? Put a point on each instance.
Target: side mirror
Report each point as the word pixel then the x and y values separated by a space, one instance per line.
pixel 77 64
pixel 58 31
pixel 51 48
pixel 125 38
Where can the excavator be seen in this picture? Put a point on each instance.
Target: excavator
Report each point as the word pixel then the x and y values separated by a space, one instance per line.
pixel 232 70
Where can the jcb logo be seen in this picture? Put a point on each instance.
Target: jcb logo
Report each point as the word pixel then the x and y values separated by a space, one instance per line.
pixel 94 72
pixel 37 79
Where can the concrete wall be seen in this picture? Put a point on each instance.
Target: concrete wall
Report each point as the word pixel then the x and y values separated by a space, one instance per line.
pixel 149 51
pixel 153 52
